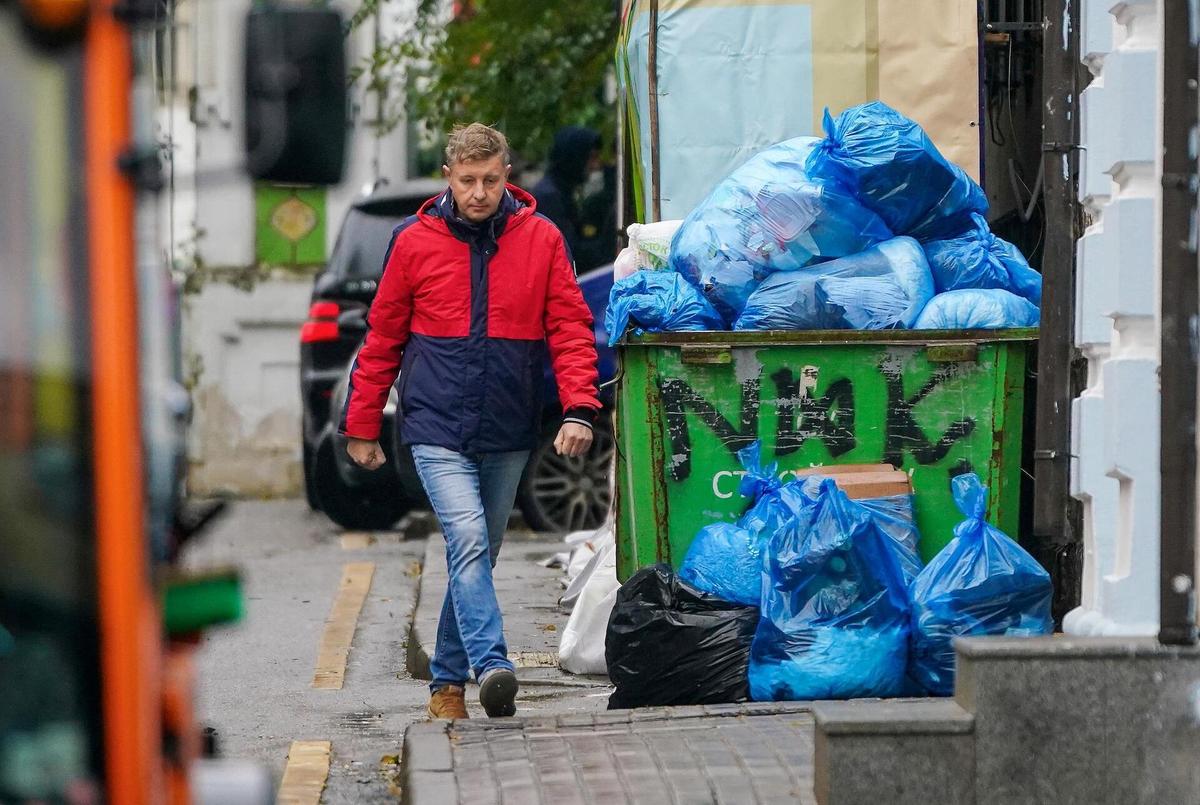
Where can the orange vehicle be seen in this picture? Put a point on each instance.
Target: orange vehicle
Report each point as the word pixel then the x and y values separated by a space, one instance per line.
pixel 96 623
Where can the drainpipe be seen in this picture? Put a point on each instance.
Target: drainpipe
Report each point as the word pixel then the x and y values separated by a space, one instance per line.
pixel 1056 515
pixel 1180 316
pixel 652 91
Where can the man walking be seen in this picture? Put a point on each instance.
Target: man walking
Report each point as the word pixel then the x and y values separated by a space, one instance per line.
pixel 476 287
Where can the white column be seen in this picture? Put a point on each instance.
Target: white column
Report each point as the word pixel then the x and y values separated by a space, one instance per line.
pixel 1115 433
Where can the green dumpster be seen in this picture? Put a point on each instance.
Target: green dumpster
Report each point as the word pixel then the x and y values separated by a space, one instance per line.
pixel 933 403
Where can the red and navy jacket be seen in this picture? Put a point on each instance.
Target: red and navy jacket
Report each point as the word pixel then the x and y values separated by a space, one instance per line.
pixel 466 313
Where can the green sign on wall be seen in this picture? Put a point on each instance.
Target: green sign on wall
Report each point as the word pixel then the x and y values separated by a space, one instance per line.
pixel 289 225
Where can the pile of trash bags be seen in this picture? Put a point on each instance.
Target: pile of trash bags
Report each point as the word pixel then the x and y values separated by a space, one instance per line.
pixel 813 595
pixel 868 228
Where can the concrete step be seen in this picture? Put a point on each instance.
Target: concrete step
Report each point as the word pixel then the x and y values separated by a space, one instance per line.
pixel 1082 720
pixel 899 752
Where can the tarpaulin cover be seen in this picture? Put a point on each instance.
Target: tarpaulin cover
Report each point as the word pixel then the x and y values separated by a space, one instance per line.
pixel 738 75
pixel 835 607
pixel 979 259
pixel 671 644
pixel 657 301
pixel 885 287
pixel 990 309
pixel 981 583
pixel 890 164
pixel 768 216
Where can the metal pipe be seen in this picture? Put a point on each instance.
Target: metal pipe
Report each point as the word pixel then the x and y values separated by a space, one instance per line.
pixel 1056 529
pixel 1180 308
pixel 652 85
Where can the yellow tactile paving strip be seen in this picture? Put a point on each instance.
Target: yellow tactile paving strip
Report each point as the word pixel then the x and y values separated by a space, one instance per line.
pixel 339 627
pixel 305 774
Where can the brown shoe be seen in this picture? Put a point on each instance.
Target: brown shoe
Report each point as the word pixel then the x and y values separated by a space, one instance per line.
pixel 448 702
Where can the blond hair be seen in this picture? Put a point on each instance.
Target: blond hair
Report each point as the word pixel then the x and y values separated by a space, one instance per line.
pixel 474 143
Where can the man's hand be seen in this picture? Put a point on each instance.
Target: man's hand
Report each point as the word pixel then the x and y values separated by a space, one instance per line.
pixel 366 453
pixel 573 440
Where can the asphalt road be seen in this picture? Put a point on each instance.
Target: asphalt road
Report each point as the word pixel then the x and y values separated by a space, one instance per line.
pixel 255 679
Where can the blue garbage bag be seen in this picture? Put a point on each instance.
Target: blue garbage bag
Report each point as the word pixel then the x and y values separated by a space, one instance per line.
pixel 726 559
pixel 888 162
pixel 835 615
pixel 884 287
pixel 979 259
pixel 981 583
pixel 987 309
pixel 768 216
pixel 658 301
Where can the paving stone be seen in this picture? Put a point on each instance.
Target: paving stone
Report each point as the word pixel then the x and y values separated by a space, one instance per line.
pixel 756 754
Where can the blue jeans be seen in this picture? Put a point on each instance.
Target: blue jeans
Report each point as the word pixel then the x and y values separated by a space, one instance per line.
pixel 472 497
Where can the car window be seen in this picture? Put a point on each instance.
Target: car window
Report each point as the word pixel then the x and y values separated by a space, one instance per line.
pixel 362 244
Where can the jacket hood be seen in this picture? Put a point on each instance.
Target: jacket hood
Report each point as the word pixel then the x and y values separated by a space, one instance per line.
pixel 569 154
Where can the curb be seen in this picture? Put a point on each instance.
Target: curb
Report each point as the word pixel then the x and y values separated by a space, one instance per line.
pixel 427 765
pixel 431 589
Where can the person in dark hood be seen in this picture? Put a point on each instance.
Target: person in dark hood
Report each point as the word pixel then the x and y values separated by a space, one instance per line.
pixel 574 154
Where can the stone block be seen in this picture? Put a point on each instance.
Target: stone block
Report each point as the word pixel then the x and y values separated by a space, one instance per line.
pixel 900 753
pixel 1082 720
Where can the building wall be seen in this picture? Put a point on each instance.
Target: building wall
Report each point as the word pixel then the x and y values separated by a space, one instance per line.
pixel 1115 422
pixel 246 292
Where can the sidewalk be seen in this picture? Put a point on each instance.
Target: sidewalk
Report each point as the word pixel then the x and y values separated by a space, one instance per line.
pixel 717 754
pixel 565 747
pixel 533 624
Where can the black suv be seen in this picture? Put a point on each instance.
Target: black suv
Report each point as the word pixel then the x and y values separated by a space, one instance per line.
pixel 557 494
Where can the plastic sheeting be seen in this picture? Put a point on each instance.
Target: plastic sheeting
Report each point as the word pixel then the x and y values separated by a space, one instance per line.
pixel 835 607
pixel 981 583
pixel 979 259
pixel 736 76
pixel 885 287
pixel 671 644
pixel 657 301
pixel 581 650
pixel 990 309
pixel 889 163
pixel 768 216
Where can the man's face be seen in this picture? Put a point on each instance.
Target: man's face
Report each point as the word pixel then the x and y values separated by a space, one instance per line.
pixel 477 186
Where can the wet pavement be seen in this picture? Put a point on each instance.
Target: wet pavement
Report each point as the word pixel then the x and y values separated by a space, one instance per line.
pixel 716 754
pixel 255 679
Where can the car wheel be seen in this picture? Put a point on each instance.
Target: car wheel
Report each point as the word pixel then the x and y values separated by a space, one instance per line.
pixel 357 509
pixel 310 478
pixel 561 494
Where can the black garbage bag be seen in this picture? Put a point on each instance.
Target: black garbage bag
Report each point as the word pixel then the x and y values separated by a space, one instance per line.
pixel 670 644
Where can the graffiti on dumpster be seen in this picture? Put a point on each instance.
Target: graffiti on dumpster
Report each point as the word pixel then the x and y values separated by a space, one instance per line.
pixel 678 397
pixel 803 415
